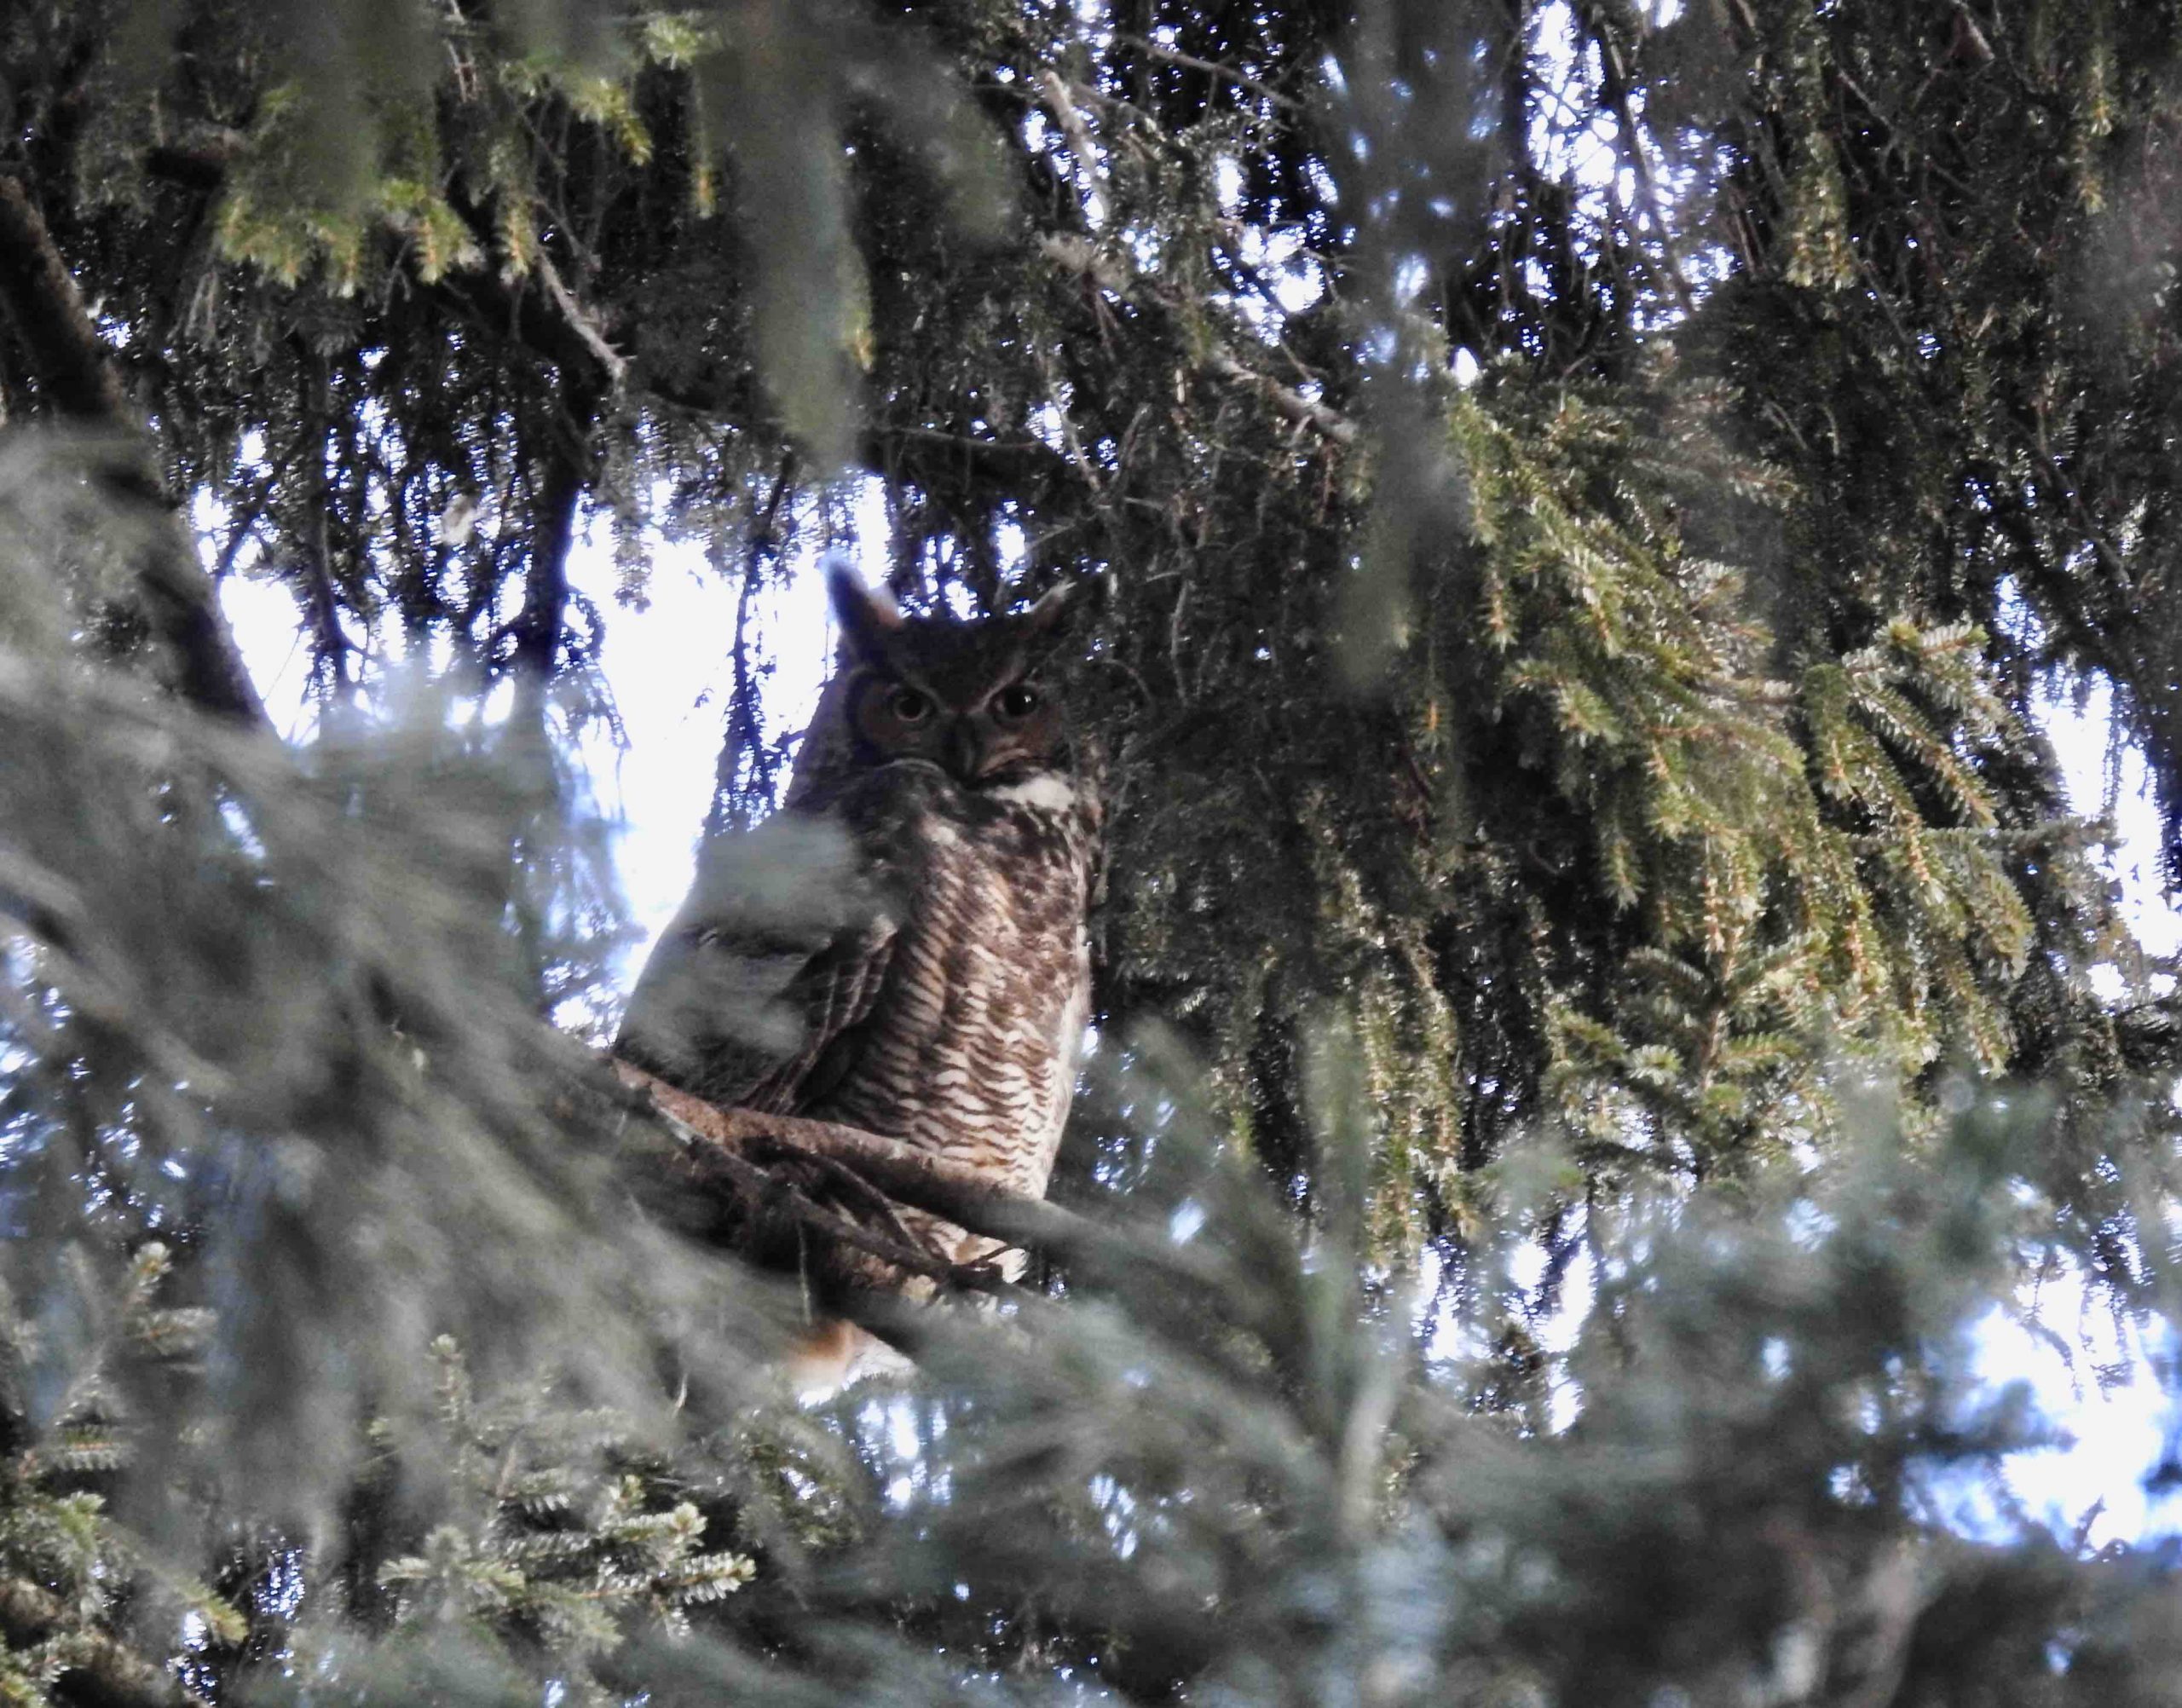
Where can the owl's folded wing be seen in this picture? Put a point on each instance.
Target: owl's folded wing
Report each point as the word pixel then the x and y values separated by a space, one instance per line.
pixel 762 979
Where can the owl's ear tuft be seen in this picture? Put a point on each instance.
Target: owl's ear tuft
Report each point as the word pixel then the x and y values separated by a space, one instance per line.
pixel 1059 608
pixel 868 615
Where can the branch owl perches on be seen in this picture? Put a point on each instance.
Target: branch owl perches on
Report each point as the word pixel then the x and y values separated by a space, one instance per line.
pixel 900 950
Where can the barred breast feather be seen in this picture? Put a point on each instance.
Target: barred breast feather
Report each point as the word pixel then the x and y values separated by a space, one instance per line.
pixel 900 954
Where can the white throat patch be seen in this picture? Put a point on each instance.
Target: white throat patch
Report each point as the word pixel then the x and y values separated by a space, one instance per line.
pixel 1049 790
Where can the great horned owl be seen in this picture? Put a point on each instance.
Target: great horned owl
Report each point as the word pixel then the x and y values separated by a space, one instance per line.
pixel 900 949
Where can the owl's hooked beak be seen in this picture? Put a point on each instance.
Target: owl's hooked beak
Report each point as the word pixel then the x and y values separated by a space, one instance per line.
pixel 978 752
pixel 966 747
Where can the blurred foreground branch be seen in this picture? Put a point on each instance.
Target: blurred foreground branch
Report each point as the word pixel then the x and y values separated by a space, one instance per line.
pixel 78 375
pixel 100 1670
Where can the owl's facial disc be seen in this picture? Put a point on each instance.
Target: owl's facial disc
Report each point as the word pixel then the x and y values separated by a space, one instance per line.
pixel 962 695
pixel 981 734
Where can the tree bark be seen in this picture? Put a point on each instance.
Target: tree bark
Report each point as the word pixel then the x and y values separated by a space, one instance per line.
pixel 78 375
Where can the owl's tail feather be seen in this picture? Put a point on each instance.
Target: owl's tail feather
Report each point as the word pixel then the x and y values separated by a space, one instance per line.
pixel 830 1353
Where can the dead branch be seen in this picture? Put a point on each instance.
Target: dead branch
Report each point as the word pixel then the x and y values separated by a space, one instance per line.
pixel 581 325
pixel 1071 120
pixel 1111 272
pixel 1286 399
pixel 1176 56
pixel 1081 254
pixel 1613 89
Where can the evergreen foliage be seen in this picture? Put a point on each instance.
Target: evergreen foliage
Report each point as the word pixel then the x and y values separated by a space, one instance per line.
pixel 1598 496
pixel 81 1598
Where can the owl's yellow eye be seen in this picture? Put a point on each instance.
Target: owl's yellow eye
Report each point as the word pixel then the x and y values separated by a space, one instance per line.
pixel 1019 700
pixel 909 706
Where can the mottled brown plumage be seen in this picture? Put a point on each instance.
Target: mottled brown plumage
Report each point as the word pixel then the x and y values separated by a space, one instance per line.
pixel 901 948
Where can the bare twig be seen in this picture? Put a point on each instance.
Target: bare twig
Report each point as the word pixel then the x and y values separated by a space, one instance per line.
pixel 1614 87
pixel 1176 56
pixel 1072 127
pixel 1111 272
pixel 581 325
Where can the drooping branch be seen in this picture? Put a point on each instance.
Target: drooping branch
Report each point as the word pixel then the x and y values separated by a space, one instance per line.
pixel 553 324
pixel 330 644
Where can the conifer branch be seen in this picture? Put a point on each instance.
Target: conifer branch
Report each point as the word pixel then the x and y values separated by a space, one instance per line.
pixel 77 373
pixel 100 1671
pixel 1109 272
pixel 75 369
pixel 742 1140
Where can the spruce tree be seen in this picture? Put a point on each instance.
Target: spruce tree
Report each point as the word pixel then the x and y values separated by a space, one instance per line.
pixel 1599 499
